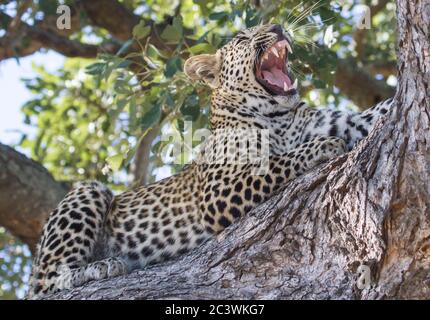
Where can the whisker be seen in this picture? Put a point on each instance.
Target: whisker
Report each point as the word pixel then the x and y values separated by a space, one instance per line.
pixel 308 25
pixel 293 9
pixel 306 42
pixel 299 74
pixel 305 14
pixel 298 18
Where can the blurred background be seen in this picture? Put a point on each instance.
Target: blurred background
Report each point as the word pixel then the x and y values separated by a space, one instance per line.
pixel 92 101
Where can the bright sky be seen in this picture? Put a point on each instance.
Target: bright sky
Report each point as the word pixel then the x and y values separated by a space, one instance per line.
pixel 13 93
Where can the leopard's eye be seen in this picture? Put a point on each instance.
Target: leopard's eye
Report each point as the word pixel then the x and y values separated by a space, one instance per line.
pixel 241 39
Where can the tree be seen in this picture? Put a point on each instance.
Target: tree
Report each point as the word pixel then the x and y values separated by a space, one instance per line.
pixel 368 207
pixel 325 224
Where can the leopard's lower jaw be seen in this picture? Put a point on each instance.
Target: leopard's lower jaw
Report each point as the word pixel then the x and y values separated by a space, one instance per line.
pixel 288 101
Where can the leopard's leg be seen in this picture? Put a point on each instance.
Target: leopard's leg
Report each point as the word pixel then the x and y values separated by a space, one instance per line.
pixel 351 127
pixel 69 242
pixel 156 222
pixel 101 269
pixel 239 190
pixel 362 123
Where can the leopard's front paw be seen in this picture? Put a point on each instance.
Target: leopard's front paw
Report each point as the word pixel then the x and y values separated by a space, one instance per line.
pixel 328 148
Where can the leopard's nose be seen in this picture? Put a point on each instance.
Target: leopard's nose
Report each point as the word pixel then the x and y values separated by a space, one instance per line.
pixel 276 28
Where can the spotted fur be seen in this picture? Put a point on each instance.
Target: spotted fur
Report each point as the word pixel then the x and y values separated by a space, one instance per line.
pixel 94 235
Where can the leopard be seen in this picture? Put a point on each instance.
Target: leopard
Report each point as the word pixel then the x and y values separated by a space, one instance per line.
pixel 93 234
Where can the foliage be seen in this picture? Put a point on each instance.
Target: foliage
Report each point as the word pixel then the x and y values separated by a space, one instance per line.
pixel 15 264
pixel 91 114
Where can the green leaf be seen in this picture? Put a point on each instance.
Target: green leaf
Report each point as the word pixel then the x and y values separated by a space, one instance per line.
pixel 141 30
pixel 123 64
pixel 122 86
pixel 326 75
pixel 49 7
pixel 156 147
pixel 191 108
pixel 170 100
pixel 120 105
pixel 172 66
pixel 151 117
pixel 327 15
pixel 218 15
pixel 319 84
pixel 173 33
pixel 38 143
pixel 202 47
pixel 95 68
pixel 115 161
pixel 132 113
pixel 125 47
pixel 153 52
pixel 252 18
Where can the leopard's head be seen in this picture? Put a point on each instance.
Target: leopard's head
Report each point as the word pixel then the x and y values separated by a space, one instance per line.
pixel 255 62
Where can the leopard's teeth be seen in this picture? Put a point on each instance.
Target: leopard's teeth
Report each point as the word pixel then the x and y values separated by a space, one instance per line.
pixel 290 50
pixel 295 84
pixel 285 86
pixel 275 52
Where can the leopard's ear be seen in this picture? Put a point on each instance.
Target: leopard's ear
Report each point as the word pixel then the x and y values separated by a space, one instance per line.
pixel 204 67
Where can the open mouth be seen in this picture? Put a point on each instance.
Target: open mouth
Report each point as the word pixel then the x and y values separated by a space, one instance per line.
pixel 272 71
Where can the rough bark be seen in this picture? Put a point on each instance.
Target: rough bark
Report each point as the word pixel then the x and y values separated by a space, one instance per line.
pixel 368 207
pixel 28 193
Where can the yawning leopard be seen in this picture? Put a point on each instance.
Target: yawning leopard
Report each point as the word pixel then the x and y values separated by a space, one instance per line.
pixel 93 234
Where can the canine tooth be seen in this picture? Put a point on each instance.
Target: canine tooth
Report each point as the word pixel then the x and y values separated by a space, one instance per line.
pixel 295 84
pixel 275 52
pixel 285 86
pixel 289 47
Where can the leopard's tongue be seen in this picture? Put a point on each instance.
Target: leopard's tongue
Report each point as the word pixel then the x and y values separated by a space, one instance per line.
pixel 276 77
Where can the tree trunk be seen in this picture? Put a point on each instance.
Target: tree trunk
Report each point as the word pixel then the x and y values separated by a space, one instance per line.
pixel 368 208
pixel 141 164
pixel 28 193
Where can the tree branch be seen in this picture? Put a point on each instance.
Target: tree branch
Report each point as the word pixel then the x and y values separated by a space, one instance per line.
pixel 16 21
pixel 385 68
pixel 142 158
pixel 69 48
pixel 119 22
pixel 32 38
pixel 28 193
pixel 112 16
pixel 359 85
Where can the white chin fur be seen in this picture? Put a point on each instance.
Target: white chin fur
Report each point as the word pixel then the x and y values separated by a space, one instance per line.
pixel 288 101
